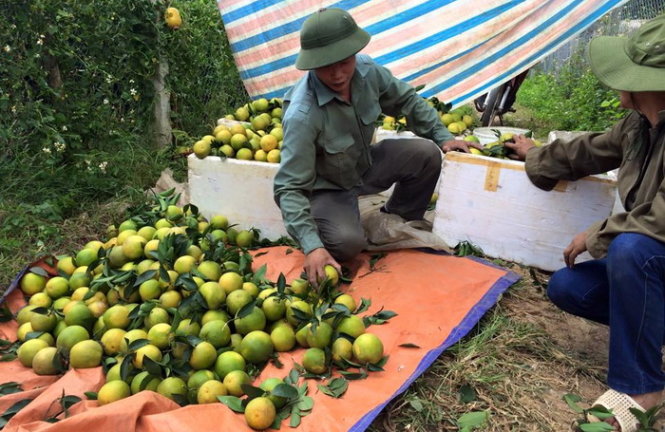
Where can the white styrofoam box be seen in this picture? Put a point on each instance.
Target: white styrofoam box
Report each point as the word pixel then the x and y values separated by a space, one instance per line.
pixel 564 135
pixel 240 190
pixel 486 135
pixel 569 135
pixel 228 122
pixel 491 203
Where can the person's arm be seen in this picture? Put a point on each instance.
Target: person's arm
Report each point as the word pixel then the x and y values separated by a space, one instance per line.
pixel 293 185
pixel 398 98
pixel 295 179
pixel 646 218
pixel 593 153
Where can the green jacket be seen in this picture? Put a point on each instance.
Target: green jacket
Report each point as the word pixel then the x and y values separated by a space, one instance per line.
pixel 632 146
pixel 327 141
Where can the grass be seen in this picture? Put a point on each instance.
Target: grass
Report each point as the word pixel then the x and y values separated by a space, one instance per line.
pixel 27 235
pixel 508 366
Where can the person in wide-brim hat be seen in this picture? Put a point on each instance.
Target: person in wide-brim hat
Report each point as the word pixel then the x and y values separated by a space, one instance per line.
pixel 624 285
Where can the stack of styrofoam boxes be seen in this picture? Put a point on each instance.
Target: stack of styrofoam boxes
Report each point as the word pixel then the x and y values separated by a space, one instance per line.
pixel 240 190
pixel 243 190
pixel 492 204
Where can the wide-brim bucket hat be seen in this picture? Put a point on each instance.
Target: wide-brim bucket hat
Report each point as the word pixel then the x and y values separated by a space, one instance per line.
pixel 329 36
pixel 633 64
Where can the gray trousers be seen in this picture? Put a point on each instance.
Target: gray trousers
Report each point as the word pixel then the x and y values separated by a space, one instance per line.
pixel 412 164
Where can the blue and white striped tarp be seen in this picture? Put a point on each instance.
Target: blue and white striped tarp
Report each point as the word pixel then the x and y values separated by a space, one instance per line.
pixel 457 48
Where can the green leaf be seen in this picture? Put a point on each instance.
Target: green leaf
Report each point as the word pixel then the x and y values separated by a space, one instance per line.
pixel 305 403
pixel 246 310
pixel 285 390
pixel 10 387
pixel 39 271
pixel 232 402
pixel 151 366
pixel 293 377
pixel 126 367
pixel 147 275
pixel 596 427
pixel 374 259
pixel 467 394
pixel 91 395
pixel 138 343
pixel 259 276
pixel 641 416
pixel 69 400
pixel 364 305
pixel 354 375
pixel 251 391
pixel 572 400
pixel 16 407
pixel 335 387
pixel 472 420
pixel 600 412
pixel 295 418
pixel 409 345
pixel 416 404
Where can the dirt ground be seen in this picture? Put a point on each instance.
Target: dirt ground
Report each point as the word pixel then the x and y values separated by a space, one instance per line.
pixel 584 343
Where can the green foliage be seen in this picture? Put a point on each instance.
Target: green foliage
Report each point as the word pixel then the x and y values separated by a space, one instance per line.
pixel 75 100
pixel 76 108
pixel 571 99
pixel 203 79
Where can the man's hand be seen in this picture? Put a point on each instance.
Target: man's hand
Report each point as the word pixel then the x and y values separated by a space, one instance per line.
pixel 459 145
pixel 314 263
pixel 521 146
pixel 576 247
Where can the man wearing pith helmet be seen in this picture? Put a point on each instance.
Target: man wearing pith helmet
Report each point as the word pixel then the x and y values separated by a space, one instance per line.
pixel 624 286
pixel 327 160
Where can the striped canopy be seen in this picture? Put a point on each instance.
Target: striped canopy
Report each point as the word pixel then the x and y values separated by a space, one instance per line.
pixel 458 49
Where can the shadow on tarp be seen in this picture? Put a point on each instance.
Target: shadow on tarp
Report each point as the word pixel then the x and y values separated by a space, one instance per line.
pixel 438 299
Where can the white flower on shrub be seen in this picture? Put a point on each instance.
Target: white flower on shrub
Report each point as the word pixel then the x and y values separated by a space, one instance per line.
pixel 106 101
pixel 102 166
pixel 59 147
pixel 133 92
pixel 64 128
pixel 46 150
pixel 7 48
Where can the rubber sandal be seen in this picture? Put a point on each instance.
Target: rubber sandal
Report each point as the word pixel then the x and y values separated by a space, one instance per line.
pixel 620 404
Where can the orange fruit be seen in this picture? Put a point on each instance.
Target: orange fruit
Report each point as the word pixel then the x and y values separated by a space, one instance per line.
pixel 234 380
pixel 314 361
pixel 229 361
pixel 256 347
pixel 367 348
pixel 209 390
pixel 172 386
pixel 113 391
pixel 260 413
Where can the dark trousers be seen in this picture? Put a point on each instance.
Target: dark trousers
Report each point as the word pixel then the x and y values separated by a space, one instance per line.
pixel 625 290
pixel 413 165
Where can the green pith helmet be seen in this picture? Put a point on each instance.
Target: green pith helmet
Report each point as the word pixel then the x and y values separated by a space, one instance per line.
pixel 329 36
pixel 635 63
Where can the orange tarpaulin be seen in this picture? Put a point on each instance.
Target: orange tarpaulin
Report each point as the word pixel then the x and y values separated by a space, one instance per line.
pixel 438 298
